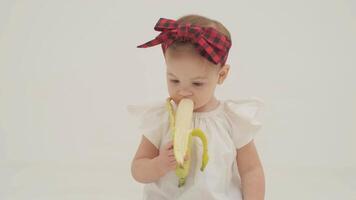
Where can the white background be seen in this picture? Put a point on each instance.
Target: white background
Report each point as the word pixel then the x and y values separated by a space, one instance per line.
pixel 69 68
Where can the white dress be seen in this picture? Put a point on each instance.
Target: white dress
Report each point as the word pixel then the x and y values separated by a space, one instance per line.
pixel 228 127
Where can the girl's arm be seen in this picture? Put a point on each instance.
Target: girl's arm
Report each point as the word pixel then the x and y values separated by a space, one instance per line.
pixel 149 164
pixel 251 172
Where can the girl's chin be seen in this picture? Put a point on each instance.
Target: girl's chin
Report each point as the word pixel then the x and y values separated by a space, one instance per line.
pixel 198 108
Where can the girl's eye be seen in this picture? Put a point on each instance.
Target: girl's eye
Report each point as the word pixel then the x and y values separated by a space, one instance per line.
pixel 198 84
pixel 175 81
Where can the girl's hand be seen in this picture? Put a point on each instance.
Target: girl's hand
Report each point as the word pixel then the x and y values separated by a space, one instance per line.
pixel 166 160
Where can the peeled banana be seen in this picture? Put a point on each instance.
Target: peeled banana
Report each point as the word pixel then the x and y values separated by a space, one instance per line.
pixel 182 133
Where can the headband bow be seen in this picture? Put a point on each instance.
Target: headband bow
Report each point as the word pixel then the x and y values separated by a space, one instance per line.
pixel 210 43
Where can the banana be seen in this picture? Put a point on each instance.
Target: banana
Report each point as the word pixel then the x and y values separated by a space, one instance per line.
pixel 180 126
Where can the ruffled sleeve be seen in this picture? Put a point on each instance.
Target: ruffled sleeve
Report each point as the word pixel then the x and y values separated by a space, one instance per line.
pixel 242 116
pixel 152 121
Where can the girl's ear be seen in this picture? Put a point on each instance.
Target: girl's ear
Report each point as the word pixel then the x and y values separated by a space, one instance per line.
pixel 223 72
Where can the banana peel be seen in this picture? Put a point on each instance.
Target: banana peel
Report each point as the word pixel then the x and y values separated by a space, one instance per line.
pixel 181 130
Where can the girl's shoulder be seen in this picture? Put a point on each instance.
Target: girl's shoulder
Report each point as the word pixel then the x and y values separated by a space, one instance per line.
pixel 151 119
pixel 243 117
pixel 149 113
pixel 246 108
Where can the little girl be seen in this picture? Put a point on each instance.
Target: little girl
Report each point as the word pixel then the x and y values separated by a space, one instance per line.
pixel 195 49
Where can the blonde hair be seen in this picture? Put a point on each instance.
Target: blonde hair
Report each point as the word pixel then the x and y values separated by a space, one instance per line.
pixel 205 22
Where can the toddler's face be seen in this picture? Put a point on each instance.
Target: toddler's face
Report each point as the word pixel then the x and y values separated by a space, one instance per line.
pixel 190 75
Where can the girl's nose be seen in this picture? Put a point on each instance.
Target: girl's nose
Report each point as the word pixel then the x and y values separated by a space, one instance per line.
pixel 185 93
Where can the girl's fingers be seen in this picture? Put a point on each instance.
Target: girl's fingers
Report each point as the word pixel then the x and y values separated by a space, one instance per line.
pixel 169 145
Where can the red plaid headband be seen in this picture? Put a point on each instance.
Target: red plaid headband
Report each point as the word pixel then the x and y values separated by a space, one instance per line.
pixel 210 43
